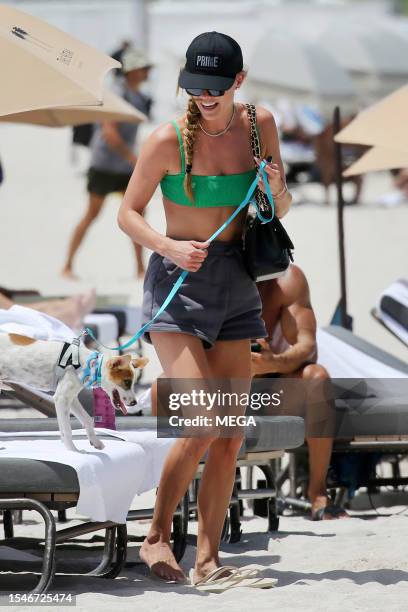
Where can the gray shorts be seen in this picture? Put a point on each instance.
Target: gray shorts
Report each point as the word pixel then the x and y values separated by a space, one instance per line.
pixel 218 302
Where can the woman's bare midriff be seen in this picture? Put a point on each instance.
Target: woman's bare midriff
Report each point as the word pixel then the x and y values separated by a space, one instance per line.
pixel 192 223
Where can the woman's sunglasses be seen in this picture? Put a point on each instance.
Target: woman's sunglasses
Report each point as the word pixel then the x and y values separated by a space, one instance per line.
pixel 216 93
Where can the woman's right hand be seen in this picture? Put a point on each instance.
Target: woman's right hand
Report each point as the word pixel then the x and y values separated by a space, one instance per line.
pixel 187 254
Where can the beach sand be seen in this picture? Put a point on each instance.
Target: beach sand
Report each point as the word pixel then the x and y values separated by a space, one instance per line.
pixel 356 564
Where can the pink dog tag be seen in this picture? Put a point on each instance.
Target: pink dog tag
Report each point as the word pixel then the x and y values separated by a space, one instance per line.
pixel 104 411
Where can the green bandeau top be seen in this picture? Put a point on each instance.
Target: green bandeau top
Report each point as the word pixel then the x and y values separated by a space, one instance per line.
pixel 209 191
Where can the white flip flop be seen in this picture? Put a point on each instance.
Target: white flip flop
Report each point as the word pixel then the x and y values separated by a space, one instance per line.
pixel 249 577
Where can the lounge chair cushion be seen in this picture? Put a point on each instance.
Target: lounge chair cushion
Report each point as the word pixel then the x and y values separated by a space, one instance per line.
pixel 25 476
pixel 271 433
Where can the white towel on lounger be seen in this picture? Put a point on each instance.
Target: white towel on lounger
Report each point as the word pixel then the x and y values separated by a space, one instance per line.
pixel 34 324
pixel 108 479
pixel 344 361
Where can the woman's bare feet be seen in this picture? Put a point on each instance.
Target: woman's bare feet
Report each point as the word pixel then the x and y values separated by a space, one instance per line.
pixel 159 557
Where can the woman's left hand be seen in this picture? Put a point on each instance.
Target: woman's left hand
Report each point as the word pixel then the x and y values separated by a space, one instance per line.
pixel 275 181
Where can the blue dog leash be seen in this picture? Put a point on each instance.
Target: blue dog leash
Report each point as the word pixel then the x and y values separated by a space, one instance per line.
pixel 184 274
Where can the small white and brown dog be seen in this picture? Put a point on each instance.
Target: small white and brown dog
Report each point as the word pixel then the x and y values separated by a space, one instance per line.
pixel 36 363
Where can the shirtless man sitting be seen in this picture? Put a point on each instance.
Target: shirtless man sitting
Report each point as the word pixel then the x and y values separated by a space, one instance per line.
pixel 291 351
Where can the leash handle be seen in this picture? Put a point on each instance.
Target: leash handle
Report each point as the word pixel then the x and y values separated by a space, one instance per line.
pixel 248 199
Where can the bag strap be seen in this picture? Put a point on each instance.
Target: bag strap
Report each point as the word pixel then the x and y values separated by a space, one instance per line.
pixel 255 144
pixel 260 197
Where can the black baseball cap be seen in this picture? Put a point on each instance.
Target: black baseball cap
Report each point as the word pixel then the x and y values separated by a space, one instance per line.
pixel 212 62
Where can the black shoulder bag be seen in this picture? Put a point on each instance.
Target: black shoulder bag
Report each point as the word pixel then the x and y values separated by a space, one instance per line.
pixel 267 246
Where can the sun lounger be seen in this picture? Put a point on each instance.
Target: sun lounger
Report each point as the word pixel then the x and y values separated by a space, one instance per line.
pixel 41 484
pixel 57 487
pixel 371 390
pixel 104 327
pixel 392 310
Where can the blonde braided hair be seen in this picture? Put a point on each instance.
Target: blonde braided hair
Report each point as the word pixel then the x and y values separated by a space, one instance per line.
pixel 191 125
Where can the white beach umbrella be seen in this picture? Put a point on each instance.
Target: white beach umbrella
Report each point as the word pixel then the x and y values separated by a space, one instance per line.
pixel 384 124
pixel 288 66
pixel 41 66
pixel 371 49
pixel 374 56
pixel 113 108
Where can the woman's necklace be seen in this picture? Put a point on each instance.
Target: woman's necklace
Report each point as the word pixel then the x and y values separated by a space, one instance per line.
pixel 224 130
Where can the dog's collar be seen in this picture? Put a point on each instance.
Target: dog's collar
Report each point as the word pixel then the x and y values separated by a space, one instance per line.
pixel 91 375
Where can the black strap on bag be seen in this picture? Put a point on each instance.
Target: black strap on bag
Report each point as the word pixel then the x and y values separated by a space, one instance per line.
pixel 267 246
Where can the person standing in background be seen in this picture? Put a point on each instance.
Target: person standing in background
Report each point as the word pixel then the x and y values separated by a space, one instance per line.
pixel 112 154
pixel 119 52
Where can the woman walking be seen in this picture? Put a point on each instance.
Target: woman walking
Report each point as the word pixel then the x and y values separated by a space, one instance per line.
pixel 204 164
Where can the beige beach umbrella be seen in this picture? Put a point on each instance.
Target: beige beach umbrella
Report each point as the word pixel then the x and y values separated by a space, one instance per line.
pixel 113 108
pixel 42 66
pixel 376 159
pixel 384 124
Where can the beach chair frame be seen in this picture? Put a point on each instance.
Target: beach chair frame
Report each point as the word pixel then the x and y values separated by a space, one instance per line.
pixel 115 538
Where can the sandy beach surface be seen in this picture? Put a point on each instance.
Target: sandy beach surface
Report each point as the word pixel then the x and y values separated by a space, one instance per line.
pixel 355 564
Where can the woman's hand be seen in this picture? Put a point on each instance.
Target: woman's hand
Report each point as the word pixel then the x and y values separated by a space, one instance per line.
pixel 187 254
pixel 274 177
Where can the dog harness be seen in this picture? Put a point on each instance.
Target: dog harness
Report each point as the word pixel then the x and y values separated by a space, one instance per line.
pixel 69 356
pixel 90 375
